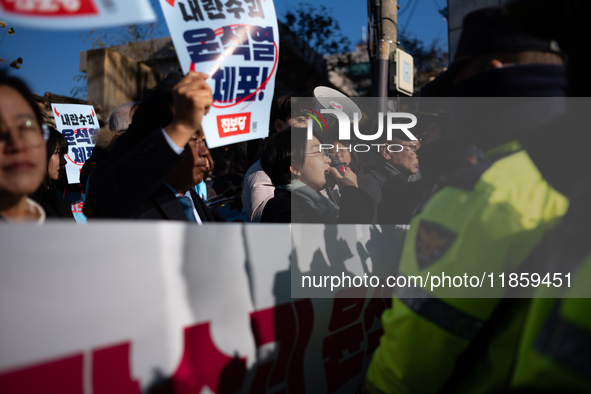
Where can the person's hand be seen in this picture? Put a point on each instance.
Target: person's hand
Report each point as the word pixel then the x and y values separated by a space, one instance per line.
pixel 192 98
pixel 349 179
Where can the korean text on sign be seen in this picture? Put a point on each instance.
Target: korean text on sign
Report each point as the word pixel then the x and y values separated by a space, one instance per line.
pixel 78 124
pixel 236 42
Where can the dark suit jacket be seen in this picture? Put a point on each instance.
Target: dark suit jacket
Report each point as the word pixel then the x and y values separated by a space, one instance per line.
pixel 129 183
pixel 278 208
pixel 400 200
pixel 98 155
pixel 355 207
pixel 372 183
pixel 55 207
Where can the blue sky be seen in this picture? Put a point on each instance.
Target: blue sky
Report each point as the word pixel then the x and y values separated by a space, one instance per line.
pixel 51 58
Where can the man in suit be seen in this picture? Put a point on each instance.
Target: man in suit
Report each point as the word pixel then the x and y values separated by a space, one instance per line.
pixel 153 168
pixel 393 166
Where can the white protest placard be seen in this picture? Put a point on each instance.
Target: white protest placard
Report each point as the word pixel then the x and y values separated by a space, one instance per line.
pixel 236 43
pixel 78 123
pixel 176 308
pixel 76 14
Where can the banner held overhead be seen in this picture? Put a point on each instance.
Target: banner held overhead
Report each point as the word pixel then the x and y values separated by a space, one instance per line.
pixel 237 44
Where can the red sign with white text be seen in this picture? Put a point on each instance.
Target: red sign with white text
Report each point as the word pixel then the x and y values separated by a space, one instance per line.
pixel 50 7
pixel 234 124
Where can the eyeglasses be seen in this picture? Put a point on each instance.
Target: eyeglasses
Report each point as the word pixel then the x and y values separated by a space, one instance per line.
pixel 29 131
pixel 323 153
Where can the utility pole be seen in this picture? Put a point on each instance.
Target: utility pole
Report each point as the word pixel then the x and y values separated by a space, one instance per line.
pixel 385 15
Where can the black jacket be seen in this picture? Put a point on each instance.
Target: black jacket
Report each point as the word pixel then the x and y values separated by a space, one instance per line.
pixel 278 208
pixel 372 183
pixel 355 207
pixel 54 205
pixel 129 183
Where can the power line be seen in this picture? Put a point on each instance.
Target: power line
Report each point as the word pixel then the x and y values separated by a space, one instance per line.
pixel 412 12
pixel 408 3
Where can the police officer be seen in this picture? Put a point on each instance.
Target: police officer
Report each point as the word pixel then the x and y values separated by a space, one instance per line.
pixel 555 351
pixel 487 216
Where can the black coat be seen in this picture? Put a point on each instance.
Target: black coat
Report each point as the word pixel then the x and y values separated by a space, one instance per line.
pixel 278 208
pixel 399 200
pixel 373 182
pixel 54 205
pixel 355 207
pixel 129 183
pixel 98 155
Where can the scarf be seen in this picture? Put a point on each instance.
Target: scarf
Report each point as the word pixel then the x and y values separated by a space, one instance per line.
pixel 388 170
pixel 323 207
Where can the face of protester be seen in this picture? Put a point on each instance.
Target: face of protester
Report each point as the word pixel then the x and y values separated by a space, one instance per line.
pixel 192 168
pixel 22 149
pixel 56 165
pixel 341 153
pixel 405 161
pixel 316 166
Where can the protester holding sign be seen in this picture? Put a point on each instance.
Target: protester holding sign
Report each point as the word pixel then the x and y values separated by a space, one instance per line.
pixel 154 166
pixel 22 152
pixel 237 44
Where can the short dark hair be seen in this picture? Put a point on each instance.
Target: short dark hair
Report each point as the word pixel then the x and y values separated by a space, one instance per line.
pixel 281 151
pixel 276 158
pixel 24 91
pixel 283 106
pixel 55 141
pixel 299 142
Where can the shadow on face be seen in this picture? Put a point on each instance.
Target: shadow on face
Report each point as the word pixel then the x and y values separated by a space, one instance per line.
pixel 193 166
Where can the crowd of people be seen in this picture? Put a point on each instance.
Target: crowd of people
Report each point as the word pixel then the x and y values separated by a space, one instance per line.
pixel 128 160
pixel 479 190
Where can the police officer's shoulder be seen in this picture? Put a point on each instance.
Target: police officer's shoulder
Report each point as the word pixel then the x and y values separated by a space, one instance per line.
pixel 466 178
pixel 497 170
pixel 470 171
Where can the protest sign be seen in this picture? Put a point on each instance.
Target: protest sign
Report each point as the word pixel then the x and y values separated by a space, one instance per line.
pixel 237 44
pixel 76 14
pixel 78 123
pixel 178 308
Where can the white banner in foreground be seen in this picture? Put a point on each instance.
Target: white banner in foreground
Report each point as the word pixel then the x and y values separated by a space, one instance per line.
pixel 236 43
pixel 78 123
pixel 76 14
pixel 175 308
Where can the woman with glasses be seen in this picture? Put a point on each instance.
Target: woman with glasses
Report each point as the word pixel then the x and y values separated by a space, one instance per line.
pixel 23 158
pixel 298 169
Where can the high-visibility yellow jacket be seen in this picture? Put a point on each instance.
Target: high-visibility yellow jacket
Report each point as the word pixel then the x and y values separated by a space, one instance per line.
pixel 555 352
pixel 489 217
